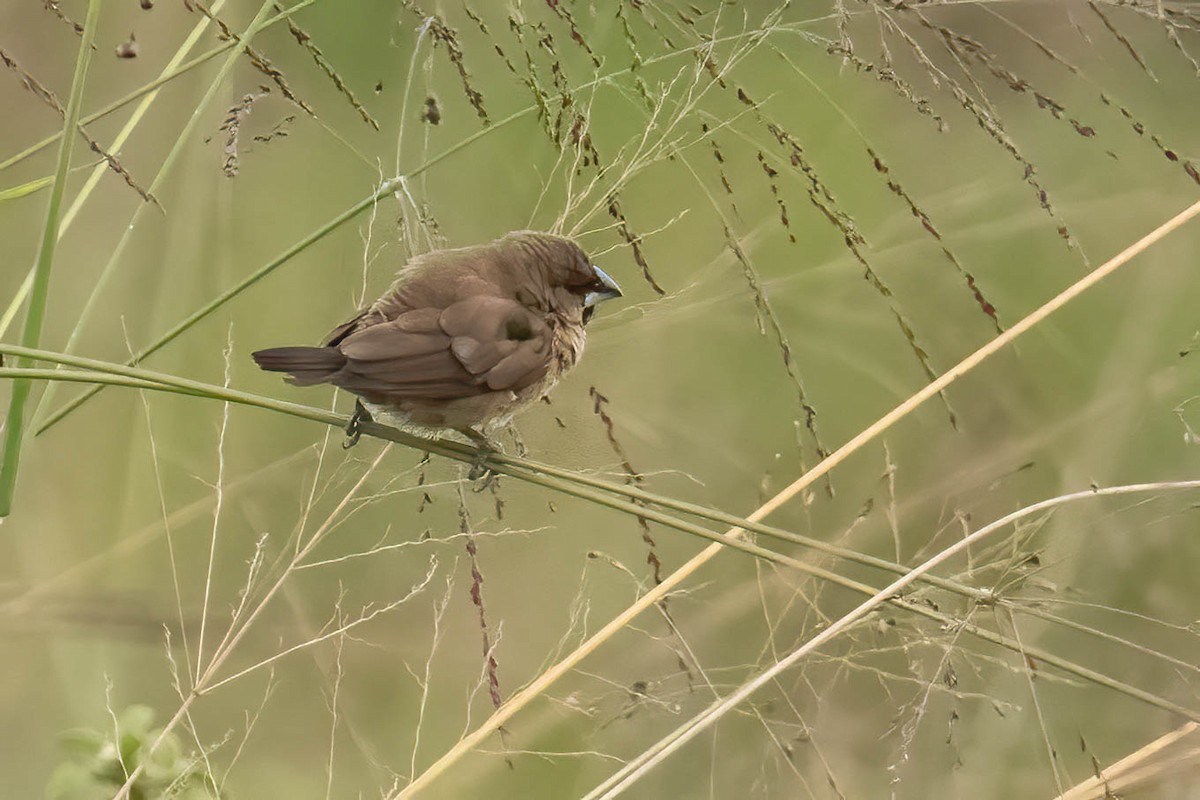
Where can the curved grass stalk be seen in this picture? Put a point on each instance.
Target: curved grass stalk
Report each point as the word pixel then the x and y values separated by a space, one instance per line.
pixel 653 596
pixel 894 599
pixel 559 479
pixel 656 753
pixel 40 285
pixel 93 376
pixel 144 379
pixel 532 473
pixel 520 469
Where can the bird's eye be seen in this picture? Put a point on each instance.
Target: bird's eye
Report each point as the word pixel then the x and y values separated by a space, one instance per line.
pixel 588 280
pixel 586 275
pixel 583 282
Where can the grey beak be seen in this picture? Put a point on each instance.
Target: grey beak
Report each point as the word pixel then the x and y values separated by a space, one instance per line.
pixel 608 291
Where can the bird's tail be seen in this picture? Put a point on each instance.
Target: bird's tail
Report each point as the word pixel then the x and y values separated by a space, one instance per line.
pixel 306 366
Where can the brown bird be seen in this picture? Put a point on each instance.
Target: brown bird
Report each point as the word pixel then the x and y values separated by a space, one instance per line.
pixel 463 338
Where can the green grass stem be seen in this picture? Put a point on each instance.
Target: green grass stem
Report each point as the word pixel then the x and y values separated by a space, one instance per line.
pixel 40 286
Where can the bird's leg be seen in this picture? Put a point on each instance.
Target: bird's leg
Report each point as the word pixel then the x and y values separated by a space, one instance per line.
pixel 484 447
pixel 353 430
pixel 518 442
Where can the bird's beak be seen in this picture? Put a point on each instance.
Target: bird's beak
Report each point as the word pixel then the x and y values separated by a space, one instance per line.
pixel 607 290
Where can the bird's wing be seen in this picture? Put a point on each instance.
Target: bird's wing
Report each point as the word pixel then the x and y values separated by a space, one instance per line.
pixel 500 341
pixel 473 346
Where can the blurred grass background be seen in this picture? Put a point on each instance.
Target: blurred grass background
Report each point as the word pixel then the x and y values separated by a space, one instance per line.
pixel 698 394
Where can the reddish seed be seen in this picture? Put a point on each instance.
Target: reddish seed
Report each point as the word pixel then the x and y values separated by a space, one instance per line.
pixel 128 49
pixel 432 112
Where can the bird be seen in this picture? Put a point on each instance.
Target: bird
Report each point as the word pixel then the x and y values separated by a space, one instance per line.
pixel 462 339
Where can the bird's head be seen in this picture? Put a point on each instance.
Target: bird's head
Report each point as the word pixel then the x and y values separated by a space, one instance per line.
pixel 572 283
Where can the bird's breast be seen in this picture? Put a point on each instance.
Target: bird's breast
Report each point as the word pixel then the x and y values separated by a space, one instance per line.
pixel 566 344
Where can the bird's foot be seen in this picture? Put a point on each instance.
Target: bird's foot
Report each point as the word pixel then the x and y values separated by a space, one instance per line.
pixel 354 428
pixel 481 472
pixel 484 447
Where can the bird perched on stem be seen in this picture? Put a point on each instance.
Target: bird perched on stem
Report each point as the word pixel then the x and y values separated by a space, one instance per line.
pixel 462 339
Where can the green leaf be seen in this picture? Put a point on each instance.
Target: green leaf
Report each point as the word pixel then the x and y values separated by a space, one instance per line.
pixel 136 720
pixel 25 188
pixel 80 743
pixel 71 782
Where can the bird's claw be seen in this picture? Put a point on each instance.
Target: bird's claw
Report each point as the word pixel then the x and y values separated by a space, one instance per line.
pixel 354 427
pixel 480 470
